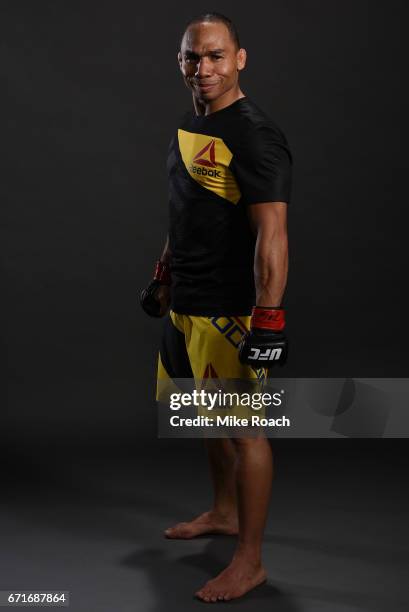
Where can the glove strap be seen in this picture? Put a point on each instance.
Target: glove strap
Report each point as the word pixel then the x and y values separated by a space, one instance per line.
pixel 267 318
pixel 162 273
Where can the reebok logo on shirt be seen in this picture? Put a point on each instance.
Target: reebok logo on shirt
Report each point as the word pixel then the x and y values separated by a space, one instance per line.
pixel 207 160
pixel 204 171
pixel 206 156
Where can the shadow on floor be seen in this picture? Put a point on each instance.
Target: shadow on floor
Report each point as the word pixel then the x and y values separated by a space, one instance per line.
pixel 174 581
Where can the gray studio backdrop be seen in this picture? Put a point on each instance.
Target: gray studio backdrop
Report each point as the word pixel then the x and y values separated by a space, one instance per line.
pixel 93 97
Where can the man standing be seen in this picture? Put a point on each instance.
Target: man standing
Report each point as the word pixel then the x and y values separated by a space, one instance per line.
pixel 223 273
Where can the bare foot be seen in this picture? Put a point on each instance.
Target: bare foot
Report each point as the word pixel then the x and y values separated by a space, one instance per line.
pixel 208 522
pixel 237 579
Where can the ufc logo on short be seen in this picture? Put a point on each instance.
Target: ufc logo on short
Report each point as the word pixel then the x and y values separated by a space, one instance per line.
pixel 270 354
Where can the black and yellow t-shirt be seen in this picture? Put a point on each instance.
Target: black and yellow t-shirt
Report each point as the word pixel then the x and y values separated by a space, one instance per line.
pixel 218 165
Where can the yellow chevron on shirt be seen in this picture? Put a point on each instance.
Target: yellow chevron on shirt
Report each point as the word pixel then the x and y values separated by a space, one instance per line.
pixel 207 159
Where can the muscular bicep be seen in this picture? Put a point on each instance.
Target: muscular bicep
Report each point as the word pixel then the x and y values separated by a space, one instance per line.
pixel 268 218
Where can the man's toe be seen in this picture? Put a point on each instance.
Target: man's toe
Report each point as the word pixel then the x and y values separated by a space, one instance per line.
pixel 208 595
pixel 175 531
pixel 201 594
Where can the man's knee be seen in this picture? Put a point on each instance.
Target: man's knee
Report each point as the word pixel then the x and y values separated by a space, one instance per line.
pixel 222 447
pixel 247 444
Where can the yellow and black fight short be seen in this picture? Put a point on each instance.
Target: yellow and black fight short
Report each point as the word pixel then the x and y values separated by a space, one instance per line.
pixel 204 347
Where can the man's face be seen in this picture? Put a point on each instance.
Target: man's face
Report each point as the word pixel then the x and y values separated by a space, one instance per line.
pixel 209 60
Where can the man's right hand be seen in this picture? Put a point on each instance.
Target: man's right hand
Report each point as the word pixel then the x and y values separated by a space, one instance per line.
pixel 155 299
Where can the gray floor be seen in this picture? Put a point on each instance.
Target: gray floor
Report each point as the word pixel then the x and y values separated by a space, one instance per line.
pixel 336 540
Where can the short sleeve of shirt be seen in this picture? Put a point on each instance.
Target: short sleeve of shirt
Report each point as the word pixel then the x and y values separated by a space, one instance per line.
pixel 262 166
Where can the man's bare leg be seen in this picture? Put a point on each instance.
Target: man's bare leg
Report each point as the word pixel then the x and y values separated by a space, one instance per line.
pixel 254 477
pixel 223 518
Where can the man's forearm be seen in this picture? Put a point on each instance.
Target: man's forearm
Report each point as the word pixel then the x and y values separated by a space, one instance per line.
pixel 166 253
pixel 270 267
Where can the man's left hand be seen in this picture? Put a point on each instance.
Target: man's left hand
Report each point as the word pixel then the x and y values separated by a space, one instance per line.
pixel 265 344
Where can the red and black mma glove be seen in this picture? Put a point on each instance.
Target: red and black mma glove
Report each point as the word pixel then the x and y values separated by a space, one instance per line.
pixel 147 298
pixel 265 344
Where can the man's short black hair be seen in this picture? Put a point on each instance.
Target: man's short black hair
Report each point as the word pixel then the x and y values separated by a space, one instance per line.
pixel 216 17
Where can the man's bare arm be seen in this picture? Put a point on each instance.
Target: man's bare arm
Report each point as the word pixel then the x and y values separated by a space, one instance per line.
pixel 166 253
pixel 155 299
pixel 162 293
pixel 269 222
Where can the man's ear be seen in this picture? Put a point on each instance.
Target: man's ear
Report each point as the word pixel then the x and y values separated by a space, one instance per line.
pixel 241 59
pixel 180 59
